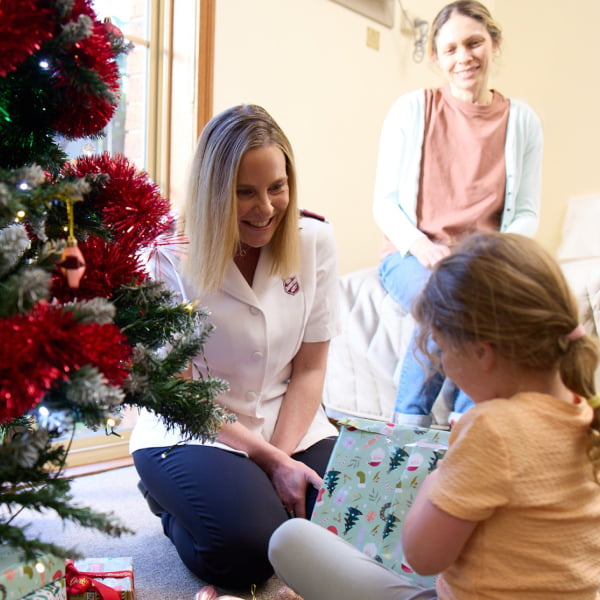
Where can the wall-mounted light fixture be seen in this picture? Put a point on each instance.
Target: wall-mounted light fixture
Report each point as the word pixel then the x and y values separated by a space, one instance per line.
pixel 381 11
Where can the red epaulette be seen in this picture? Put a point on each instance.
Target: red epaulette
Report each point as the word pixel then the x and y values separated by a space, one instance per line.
pixel 312 215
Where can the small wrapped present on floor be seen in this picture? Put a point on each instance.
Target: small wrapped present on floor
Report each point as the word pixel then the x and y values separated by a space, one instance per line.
pixel 19 577
pixel 370 483
pixel 57 590
pixel 100 579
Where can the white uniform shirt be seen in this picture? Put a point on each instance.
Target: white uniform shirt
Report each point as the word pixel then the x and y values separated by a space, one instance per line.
pixel 258 331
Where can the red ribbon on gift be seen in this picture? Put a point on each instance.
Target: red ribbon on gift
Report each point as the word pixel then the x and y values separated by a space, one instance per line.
pixel 79 582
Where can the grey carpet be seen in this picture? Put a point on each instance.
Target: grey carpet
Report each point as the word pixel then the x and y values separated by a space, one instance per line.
pixel 159 573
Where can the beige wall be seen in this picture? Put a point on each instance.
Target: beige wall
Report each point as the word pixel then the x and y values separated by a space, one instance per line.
pixel 307 62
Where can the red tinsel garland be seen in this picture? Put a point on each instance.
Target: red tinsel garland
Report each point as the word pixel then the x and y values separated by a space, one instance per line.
pixel 132 208
pixel 109 266
pixel 81 109
pixel 24 26
pixel 43 347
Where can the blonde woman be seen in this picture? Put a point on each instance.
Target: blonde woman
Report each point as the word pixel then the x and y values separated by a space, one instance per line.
pixel 269 278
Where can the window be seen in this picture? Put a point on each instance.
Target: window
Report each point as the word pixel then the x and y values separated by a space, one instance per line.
pixel 166 87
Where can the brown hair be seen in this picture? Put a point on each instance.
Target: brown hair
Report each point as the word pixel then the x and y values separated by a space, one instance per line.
pixel 506 290
pixel 467 8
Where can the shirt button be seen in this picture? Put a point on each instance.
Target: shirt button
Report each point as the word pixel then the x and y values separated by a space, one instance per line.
pixel 251 396
pixel 254 310
pixel 257 355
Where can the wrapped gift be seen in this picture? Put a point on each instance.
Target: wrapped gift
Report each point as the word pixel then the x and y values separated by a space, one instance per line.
pixel 57 590
pixel 371 481
pixel 100 579
pixel 19 577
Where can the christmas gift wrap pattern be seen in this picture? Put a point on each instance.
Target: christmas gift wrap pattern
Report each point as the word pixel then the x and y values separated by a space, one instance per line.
pixel 57 590
pixel 371 481
pixel 19 577
pixel 100 578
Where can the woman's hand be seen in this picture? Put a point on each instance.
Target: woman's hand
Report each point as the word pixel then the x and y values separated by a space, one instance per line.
pixel 291 479
pixel 428 253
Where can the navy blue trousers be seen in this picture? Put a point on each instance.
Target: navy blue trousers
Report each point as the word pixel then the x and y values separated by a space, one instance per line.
pixel 220 508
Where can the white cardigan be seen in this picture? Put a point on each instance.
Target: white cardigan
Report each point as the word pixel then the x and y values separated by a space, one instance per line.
pixel 399 168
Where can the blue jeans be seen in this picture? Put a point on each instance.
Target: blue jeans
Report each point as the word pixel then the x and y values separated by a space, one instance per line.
pixel 403 278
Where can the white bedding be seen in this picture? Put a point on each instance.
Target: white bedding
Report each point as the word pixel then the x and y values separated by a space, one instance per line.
pixel 364 360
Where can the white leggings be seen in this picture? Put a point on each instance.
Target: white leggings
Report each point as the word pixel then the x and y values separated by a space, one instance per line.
pixel 318 564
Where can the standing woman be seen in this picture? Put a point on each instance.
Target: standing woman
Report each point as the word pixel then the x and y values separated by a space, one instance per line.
pixel 452 160
pixel 269 279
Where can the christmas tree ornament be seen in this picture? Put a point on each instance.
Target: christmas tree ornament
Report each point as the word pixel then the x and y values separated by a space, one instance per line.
pixel 112 30
pixel 72 263
pixel 208 592
pixel 286 593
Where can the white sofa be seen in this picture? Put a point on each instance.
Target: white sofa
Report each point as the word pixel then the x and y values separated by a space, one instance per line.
pixel 364 360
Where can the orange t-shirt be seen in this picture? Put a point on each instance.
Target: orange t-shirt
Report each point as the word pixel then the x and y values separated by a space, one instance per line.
pixel 463 172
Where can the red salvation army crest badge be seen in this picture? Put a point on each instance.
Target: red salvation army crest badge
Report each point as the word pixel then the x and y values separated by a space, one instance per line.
pixel 291 286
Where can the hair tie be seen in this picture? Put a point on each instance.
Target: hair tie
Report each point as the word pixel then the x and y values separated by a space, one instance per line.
pixel 594 401
pixel 577 333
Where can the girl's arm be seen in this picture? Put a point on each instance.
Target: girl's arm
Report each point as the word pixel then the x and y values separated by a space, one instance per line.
pixel 432 539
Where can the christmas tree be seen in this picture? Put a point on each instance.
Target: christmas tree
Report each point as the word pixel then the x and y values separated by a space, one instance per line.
pixel 84 331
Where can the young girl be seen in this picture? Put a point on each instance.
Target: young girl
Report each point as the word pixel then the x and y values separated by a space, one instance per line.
pixel 513 510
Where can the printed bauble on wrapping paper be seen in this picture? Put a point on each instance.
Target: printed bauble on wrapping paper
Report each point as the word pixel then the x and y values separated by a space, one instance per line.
pixel 371 481
pixel 19 577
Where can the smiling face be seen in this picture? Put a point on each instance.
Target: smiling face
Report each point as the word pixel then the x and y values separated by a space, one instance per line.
pixel 464 51
pixel 262 195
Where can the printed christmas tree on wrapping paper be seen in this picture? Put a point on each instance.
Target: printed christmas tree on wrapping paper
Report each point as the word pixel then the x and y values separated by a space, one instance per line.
pixel 435 459
pixel 397 458
pixel 350 518
pixel 391 522
pixel 331 480
pixel 84 332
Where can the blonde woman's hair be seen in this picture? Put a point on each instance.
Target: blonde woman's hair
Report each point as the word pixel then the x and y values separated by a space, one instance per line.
pixel 468 8
pixel 506 290
pixel 210 211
